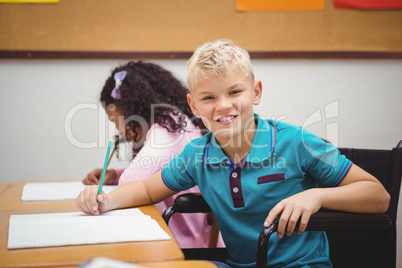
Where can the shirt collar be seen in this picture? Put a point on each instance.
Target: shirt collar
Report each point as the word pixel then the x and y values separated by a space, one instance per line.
pixel 264 141
pixel 262 148
pixel 213 152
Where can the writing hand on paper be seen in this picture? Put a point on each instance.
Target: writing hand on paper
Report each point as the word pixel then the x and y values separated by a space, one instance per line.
pixel 87 201
pixel 301 205
pixel 93 177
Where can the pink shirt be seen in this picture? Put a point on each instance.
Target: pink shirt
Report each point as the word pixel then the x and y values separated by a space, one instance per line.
pixel 189 230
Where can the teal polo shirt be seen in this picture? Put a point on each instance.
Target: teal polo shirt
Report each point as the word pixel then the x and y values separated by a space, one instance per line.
pixel 283 160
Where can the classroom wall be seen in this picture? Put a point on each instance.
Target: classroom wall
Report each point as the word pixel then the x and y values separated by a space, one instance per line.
pixel 54 129
pixel 181 25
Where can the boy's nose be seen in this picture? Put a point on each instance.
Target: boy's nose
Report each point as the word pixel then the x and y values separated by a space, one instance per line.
pixel 224 104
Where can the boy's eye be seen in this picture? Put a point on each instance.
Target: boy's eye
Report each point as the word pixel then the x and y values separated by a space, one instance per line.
pixel 234 92
pixel 207 98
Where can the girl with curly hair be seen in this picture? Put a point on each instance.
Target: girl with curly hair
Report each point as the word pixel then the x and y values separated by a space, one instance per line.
pixel 149 107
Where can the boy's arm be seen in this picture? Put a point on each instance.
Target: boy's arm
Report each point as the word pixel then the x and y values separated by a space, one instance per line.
pixel 135 193
pixel 358 192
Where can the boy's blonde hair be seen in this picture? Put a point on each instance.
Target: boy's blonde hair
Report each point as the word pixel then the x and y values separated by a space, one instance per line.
pixel 218 58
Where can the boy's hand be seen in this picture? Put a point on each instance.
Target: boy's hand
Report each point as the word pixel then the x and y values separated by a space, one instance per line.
pixel 93 177
pixel 301 205
pixel 87 201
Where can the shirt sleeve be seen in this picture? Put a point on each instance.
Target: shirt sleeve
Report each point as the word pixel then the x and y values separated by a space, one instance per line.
pixel 177 175
pixel 322 160
pixel 160 147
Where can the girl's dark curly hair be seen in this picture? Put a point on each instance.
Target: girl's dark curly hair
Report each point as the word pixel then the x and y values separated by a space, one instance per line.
pixel 145 86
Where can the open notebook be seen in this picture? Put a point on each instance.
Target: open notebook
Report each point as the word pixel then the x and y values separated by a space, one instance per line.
pixel 46 191
pixel 77 228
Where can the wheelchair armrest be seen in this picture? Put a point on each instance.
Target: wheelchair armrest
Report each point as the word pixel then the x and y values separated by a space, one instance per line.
pixel 326 220
pixel 187 203
pixel 191 203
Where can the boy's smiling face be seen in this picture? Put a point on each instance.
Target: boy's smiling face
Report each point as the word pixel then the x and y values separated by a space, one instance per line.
pixel 226 105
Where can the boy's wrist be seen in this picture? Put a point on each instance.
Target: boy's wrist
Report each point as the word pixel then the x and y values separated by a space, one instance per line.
pixel 321 196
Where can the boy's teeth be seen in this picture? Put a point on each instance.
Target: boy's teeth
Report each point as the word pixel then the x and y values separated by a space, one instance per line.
pixel 226 118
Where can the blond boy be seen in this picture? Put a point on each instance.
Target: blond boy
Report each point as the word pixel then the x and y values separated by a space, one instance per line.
pixel 251 171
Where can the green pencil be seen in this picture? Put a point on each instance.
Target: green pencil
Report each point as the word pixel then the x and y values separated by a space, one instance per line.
pixel 104 168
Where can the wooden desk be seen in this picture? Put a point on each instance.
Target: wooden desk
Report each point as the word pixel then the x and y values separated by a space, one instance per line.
pixel 170 264
pixel 150 251
pixel 10 198
pixel 179 264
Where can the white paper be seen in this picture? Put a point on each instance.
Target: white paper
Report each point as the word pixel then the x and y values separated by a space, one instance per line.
pixel 102 262
pixel 77 228
pixel 46 191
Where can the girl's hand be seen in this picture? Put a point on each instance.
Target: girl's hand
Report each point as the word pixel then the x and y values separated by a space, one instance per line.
pixel 93 177
pixel 87 201
pixel 301 205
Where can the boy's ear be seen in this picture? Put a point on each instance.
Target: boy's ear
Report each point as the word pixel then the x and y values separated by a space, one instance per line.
pixel 257 92
pixel 192 105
